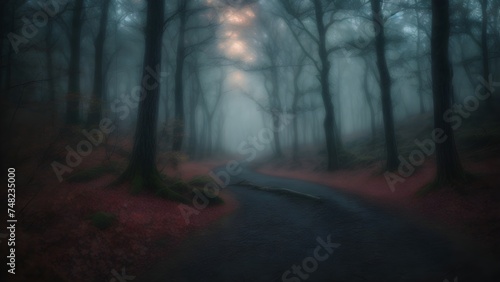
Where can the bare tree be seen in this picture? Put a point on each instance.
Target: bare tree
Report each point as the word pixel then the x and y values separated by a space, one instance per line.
pixel 369 98
pixel 318 12
pixel 191 37
pixel 95 111
pixel 485 54
pixel 210 108
pixel 73 96
pixel 385 86
pixel 178 131
pixel 449 168
pixel 142 170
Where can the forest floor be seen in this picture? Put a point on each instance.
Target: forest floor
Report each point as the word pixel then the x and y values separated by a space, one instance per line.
pixel 60 241
pixel 79 229
pixel 86 231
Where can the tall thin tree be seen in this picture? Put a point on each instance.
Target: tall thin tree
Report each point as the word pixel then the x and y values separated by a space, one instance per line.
pixel 484 42
pixel 321 59
pixel 385 86
pixel 449 168
pixel 73 96
pixel 95 111
pixel 178 130
pixel 49 53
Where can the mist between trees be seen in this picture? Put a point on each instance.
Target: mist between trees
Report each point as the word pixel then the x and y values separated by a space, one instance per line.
pixel 343 69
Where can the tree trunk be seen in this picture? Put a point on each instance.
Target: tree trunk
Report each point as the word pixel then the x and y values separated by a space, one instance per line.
pixel 449 168
pixel 218 141
pixel 209 145
pixel 192 129
pixel 142 169
pixel 295 110
pixel 95 112
pixel 10 56
pixel 276 111
pixel 329 122
pixel 385 87
pixel 73 97
pixel 50 71
pixel 484 42
pixel 193 101
pixel 203 141
pixel 295 142
pixel 366 90
pixel 419 65
pixel 178 131
pixel 338 113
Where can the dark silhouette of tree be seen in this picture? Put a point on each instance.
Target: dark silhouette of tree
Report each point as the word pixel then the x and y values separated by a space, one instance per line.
pixel 297 94
pixel 369 98
pixel 485 54
pixel 209 110
pixel 73 96
pixel 271 50
pixel 95 111
pixel 418 18
pixel 195 30
pixel 49 40
pixel 322 63
pixel 329 122
pixel 449 168
pixel 178 131
pixel 385 86
pixel 142 170
pixel 194 96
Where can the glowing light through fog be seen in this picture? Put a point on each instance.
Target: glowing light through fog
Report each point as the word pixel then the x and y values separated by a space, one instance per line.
pixel 242 16
pixel 234 22
pixel 237 49
pixel 237 78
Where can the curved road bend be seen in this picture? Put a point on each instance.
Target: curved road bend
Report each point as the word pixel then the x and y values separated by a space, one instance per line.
pixel 284 237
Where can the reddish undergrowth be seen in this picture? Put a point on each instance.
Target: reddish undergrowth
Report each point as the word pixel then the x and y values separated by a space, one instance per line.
pixel 57 241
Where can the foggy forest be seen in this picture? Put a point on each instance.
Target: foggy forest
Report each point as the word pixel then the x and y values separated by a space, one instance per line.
pixel 250 140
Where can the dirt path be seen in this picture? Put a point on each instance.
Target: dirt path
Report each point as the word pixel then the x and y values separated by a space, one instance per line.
pixel 336 238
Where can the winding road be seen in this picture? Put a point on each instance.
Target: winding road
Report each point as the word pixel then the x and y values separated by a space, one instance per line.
pixel 287 237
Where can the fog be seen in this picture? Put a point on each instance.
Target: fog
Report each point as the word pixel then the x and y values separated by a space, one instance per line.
pixel 233 52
